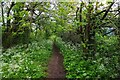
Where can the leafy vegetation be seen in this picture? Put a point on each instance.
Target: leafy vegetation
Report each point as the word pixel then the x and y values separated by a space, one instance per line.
pixel 30 62
pixel 105 64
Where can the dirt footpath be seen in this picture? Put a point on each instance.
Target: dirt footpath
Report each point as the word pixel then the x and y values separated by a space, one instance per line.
pixel 55 66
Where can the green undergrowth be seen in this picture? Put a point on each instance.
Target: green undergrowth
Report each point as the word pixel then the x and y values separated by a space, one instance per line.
pixel 26 61
pixel 102 66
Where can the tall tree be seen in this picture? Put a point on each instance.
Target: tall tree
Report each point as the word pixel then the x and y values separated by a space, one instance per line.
pixel 2 5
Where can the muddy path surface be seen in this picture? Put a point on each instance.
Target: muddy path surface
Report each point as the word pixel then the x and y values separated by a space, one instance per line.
pixel 55 66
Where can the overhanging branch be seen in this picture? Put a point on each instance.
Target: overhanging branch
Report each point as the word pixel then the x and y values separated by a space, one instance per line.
pixel 107 11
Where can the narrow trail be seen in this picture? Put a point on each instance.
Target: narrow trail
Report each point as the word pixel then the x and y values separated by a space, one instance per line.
pixel 55 66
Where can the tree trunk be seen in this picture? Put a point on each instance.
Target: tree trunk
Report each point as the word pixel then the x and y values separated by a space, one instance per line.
pixel 119 24
pixel 90 34
pixel 81 27
pixel 8 14
pixel 2 14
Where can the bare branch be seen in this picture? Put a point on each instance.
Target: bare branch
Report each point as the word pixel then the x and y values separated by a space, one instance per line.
pixel 107 11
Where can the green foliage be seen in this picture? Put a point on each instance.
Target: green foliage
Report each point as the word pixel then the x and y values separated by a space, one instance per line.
pixel 102 66
pixel 106 44
pixel 22 35
pixel 26 61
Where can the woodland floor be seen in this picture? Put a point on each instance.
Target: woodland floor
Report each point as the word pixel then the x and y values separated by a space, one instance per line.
pixel 55 66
